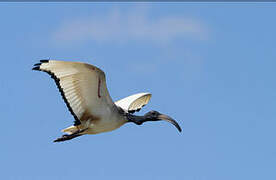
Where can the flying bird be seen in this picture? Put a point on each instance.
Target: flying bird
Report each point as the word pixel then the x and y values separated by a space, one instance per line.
pixel 83 88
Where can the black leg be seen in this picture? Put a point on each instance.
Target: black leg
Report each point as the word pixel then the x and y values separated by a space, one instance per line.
pixel 66 137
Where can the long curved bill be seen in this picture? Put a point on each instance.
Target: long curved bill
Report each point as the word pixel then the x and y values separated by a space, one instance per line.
pixel 170 120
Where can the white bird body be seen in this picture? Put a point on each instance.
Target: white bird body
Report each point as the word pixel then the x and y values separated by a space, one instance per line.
pixel 83 88
pixel 108 121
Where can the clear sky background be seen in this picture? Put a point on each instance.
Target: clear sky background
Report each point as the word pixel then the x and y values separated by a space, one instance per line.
pixel 211 66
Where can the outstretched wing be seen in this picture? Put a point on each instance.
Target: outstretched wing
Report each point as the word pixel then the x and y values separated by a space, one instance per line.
pixel 82 86
pixel 134 102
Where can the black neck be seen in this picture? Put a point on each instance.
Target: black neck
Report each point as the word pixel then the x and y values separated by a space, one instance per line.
pixel 136 119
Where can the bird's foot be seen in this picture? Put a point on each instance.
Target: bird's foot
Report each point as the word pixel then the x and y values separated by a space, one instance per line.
pixel 66 137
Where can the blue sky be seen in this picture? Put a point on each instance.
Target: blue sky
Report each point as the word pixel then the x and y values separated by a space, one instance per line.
pixel 211 66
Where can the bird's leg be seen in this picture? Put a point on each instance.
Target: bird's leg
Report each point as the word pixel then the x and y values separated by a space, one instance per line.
pixel 66 137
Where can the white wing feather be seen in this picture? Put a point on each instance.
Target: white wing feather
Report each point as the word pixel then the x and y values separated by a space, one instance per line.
pixel 82 86
pixel 134 102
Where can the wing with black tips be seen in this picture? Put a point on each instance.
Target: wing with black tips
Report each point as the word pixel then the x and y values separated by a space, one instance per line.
pixel 82 86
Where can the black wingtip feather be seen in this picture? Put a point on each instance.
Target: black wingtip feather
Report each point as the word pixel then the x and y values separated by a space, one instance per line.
pixel 36 68
pixel 133 111
pixel 44 60
pixel 37 64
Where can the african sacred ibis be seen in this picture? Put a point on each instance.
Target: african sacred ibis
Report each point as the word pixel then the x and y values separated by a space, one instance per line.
pixel 83 88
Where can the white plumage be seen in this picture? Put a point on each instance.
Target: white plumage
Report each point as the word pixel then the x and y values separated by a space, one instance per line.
pixel 134 102
pixel 83 88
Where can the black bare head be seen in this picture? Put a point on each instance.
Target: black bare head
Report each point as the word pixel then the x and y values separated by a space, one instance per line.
pixel 156 116
pixel 153 116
